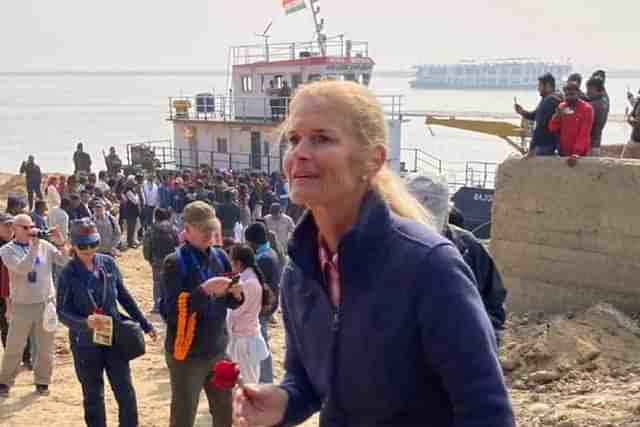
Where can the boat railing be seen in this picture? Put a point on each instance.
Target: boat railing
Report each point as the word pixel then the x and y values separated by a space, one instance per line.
pixel 269 52
pixel 265 109
pixel 459 174
pixel 162 154
pixel 212 107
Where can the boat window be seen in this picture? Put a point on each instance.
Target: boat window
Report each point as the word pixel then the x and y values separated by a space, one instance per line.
pixel 314 77
pixel 278 79
pixel 366 78
pixel 247 83
pixel 296 80
pixel 222 145
pixel 265 145
pixel 350 77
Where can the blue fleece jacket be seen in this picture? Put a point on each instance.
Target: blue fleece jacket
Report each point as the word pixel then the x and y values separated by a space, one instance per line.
pixel 410 345
pixel 79 289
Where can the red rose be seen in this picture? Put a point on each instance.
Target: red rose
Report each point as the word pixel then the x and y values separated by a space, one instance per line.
pixel 225 374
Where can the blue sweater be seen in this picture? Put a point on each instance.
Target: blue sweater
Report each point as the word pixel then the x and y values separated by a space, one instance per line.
pixel 410 345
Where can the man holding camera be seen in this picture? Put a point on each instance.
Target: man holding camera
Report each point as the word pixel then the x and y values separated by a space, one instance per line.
pixel 30 262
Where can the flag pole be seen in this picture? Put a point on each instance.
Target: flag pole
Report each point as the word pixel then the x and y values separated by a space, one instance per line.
pixel 319 24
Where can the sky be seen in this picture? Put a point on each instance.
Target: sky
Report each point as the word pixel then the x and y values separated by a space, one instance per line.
pixel 194 35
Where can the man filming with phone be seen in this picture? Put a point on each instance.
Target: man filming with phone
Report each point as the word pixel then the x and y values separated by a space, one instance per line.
pixel 30 262
pixel 543 142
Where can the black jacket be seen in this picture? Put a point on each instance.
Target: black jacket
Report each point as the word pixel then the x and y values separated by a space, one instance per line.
pixel 229 214
pixel 542 136
pixel 33 175
pixel 160 241
pixel 486 273
pixel 600 116
pixel 211 334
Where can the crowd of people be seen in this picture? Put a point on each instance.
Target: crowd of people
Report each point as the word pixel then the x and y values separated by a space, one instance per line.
pixel 382 298
pixel 571 123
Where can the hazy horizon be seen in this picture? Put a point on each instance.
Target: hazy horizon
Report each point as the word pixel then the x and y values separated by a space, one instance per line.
pixel 194 36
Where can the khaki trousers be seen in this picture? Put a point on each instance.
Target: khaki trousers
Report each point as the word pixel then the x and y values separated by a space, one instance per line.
pixel 25 319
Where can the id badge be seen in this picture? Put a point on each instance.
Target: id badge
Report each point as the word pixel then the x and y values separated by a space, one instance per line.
pixel 104 334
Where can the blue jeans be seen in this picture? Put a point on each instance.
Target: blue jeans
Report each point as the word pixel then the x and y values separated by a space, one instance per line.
pixel 90 363
pixel 266 366
pixel 545 150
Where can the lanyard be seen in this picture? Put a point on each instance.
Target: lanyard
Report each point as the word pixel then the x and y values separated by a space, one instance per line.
pixel 99 309
pixel 206 273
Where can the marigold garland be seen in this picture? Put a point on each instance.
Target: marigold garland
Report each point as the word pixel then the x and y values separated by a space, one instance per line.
pixel 186 329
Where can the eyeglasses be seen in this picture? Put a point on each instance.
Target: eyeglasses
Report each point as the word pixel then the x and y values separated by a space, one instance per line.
pixel 84 247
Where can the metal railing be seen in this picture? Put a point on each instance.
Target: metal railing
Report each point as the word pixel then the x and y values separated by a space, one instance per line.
pixel 423 161
pixel 228 108
pixel 336 47
pixel 163 155
pixel 459 174
pixel 266 109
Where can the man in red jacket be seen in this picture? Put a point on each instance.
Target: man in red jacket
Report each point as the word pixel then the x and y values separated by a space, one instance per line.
pixel 573 119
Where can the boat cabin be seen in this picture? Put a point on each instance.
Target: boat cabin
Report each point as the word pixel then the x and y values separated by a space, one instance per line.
pixel 238 129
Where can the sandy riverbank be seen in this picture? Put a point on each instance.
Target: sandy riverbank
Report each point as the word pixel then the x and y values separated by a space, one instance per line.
pixel 571 371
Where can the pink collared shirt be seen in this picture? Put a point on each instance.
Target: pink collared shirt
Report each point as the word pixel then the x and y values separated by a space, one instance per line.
pixel 329 265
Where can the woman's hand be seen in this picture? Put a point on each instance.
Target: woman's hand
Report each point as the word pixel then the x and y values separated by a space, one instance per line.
pixel 259 405
pixel 153 335
pixel 236 291
pixel 216 286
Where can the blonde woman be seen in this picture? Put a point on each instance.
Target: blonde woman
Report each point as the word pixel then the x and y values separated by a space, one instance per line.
pixel 384 323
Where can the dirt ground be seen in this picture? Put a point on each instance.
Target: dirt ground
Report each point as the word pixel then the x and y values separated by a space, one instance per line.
pixel 577 370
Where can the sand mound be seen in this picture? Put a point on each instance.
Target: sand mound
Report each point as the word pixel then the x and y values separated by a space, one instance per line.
pixel 577 370
pixel 11 184
pixel 599 339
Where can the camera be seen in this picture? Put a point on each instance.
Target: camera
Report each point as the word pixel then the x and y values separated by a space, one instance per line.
pixel 43 234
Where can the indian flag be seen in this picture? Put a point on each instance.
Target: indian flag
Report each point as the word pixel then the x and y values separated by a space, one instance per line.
pixel 291 6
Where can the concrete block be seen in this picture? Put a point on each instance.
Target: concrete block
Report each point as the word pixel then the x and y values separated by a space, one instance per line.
pixel 568 237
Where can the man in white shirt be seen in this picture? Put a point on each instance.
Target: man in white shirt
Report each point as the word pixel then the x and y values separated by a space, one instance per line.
pixel 102 182
pixel 151 199
pixel 281 224
pixel 30 261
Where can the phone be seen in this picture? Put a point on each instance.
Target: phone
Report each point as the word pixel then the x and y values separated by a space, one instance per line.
pixel 234 280
pixel 515 101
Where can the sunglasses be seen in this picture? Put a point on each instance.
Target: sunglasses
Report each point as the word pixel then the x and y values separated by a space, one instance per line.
pixel 86 246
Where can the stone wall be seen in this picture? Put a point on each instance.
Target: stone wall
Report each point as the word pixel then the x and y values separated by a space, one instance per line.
pixel 566 238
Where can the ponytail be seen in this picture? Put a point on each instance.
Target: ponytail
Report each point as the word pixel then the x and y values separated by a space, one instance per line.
pixel 392 189
pixel 246 257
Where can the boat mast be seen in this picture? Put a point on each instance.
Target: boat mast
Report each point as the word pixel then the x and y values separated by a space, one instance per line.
pixel 319 26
